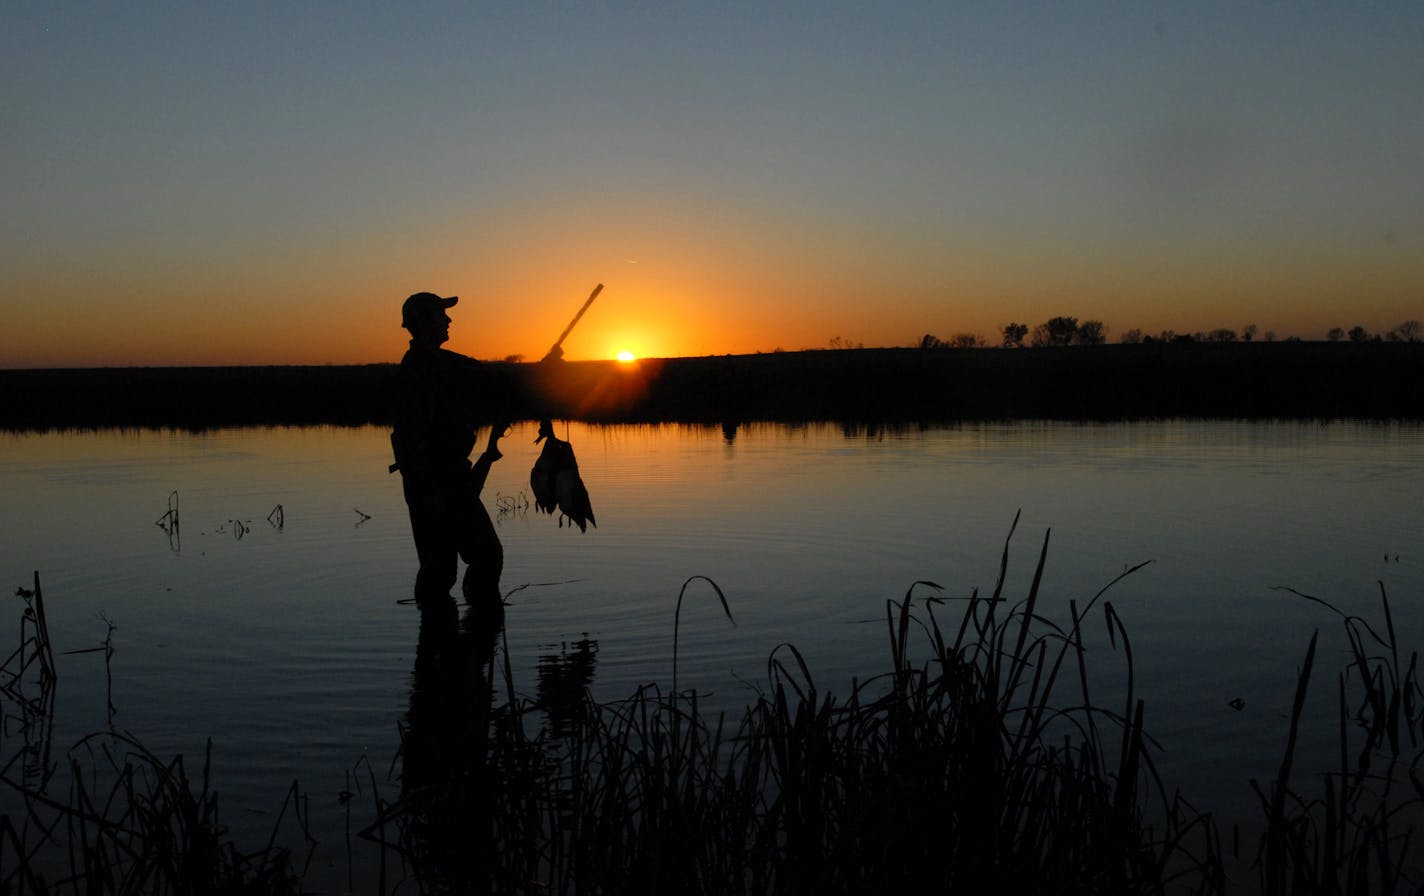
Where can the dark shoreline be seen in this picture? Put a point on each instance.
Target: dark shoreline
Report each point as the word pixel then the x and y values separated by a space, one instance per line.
pixel 1279 380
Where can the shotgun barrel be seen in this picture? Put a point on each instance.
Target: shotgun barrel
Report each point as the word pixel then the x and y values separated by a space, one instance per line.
pixel 556 350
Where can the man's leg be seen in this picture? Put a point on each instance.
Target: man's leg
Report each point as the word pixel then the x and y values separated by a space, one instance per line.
pixel 433 529
pixel 480 547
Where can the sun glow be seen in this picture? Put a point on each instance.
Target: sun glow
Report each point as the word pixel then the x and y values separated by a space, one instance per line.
pixel 626 356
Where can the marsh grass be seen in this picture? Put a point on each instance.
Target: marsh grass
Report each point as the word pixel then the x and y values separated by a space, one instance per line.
pixel 27 691
pixel 1359 831
pixel 982 755
pixel 965 766
pixel 130 822
pixel 170 522
pixel 112 817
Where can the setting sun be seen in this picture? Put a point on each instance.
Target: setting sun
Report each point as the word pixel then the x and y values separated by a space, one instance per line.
pixel 625 356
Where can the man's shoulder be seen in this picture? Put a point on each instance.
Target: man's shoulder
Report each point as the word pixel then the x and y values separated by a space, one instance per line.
pixel 456 359
pixel 438 360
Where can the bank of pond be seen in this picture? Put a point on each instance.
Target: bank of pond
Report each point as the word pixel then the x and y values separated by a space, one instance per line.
pixel 1258 380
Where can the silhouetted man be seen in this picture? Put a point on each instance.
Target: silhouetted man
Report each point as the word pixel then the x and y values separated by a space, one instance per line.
pixel 441 394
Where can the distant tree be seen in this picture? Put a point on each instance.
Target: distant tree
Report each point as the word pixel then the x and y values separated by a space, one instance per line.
pixel 513 359
pixel 1359 334
pixel 930 342
pixel 840 342
pixel 965 340
pixel 1131 337
pixel 1014 334
pixel 1091 332
pixel 1221 334
pixel 1336 334
pixel 1248 332
pixel 1056 331
pixel 1270 335
pixel 1167 336
pixel 1410 331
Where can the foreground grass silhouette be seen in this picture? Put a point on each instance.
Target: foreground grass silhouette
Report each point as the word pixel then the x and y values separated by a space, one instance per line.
pixel 986 761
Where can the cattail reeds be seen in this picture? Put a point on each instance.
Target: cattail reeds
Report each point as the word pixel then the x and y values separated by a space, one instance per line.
pixel 129 821
pixel 980 755
pixel 1360 833
pixel 951 770
pixel 35 654
pixel 27 689
pixel 170 522
pixel 133 823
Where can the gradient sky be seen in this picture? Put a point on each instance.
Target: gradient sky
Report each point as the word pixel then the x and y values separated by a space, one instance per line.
pixel 259 183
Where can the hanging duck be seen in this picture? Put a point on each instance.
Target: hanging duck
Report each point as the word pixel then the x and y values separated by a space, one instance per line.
pixel 556 483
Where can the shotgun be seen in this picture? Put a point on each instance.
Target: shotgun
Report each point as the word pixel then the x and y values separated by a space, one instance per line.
pixel 557 351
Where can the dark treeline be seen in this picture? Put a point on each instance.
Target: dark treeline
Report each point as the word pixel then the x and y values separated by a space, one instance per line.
pixel 1299 380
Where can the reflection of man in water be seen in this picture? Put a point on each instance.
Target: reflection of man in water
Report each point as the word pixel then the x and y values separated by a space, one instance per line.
pixel 445 782
pixel 441 394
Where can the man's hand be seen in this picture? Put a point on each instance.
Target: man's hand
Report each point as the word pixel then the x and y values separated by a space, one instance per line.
pixel 497 432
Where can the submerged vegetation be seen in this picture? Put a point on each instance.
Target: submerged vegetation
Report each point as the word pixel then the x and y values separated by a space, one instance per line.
pixel 982 753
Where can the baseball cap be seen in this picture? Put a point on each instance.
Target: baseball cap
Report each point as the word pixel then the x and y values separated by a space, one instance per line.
pixel 421 304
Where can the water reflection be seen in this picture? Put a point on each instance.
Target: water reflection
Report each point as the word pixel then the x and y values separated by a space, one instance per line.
pixel 563 680
pixel 445 785
pixel 450 793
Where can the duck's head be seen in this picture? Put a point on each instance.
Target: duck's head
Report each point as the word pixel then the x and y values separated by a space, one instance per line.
pixel 546 431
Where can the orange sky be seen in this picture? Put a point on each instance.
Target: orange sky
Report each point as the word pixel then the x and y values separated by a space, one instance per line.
pixel 265 186
pixel 669 298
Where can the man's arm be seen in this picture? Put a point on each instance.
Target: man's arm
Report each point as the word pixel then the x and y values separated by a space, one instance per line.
pixel 479 472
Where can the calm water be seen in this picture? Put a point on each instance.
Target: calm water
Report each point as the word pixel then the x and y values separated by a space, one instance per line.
pixel 290 648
